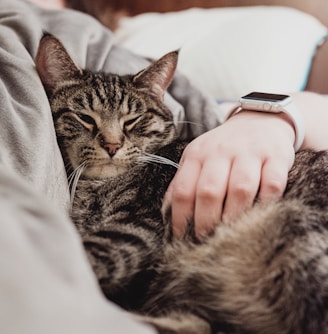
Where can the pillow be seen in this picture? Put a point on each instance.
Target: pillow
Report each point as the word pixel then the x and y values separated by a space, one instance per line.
pixel 229 52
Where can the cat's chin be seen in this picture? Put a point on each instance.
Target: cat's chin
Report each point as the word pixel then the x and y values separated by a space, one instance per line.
pixel 104 171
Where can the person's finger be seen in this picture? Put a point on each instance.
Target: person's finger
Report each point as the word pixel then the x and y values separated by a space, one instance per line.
pixel 181 195
pixel 210 195
pixel 243 186
pixel 274 178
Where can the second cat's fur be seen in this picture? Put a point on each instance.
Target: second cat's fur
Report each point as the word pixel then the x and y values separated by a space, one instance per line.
pixel 266 272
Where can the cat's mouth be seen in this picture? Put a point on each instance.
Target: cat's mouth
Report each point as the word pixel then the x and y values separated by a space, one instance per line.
pixel 105 168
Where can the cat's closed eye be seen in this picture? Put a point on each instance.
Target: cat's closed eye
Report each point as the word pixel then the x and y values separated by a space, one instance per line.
pixel 87 120
pixel 130 123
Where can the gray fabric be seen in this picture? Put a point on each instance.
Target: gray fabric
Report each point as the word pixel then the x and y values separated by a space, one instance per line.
pixel 46 284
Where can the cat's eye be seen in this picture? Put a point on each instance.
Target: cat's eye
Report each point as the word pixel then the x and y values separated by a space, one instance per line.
pixel 130 123
pixel 88 121
pixel 86 118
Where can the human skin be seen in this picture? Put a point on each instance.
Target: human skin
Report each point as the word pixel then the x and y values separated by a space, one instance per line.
pixel 51 4
pixel 247 157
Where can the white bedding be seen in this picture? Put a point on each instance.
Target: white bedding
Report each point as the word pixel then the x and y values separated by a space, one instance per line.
pixel 231 51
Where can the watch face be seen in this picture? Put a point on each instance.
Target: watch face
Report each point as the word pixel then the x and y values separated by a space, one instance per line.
pixel 265 97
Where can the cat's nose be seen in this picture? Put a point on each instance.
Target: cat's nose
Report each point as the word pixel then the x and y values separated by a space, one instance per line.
pixel 112 148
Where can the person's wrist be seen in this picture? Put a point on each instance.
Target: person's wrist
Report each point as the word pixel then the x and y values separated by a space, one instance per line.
pixel 280 121
pixel 288 112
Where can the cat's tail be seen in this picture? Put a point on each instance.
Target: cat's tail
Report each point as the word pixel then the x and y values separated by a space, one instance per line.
pixel 265 273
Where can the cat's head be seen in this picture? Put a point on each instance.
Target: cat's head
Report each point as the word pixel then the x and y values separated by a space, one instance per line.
pixel 105 121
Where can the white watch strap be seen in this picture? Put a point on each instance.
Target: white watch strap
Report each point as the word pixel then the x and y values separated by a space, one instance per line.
pixel 293 114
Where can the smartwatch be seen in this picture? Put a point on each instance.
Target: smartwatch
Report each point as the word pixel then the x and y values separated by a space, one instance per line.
pixel 273 103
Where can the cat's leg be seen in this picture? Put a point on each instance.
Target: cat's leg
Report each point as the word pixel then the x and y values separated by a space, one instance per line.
pixel 120 268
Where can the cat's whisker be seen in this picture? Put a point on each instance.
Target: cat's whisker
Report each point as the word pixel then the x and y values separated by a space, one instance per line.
pixel 71 176
pixel 153 158
pixel 73 179
pixel 68 167
pixel 192 123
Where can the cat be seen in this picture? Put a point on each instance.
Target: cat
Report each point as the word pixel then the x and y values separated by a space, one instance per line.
pixel 265 272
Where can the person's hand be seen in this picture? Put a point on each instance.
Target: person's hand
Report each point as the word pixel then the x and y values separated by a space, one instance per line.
pixel 224 170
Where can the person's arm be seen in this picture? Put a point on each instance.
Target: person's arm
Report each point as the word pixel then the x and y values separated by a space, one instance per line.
pixel 314 108
pixel 224 170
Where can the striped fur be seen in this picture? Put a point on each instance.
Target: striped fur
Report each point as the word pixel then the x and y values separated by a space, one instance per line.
pixel 104 120
pixel 265 273
pixel 105 124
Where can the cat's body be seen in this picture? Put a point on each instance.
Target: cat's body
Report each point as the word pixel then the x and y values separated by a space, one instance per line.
pixel 266 272
pixel 126 228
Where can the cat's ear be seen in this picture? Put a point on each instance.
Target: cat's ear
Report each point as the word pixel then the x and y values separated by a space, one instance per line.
pixel 54 64
pixel 157 77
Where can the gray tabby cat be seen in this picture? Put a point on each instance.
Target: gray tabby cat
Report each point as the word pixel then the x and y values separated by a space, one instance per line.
pixel 266 272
